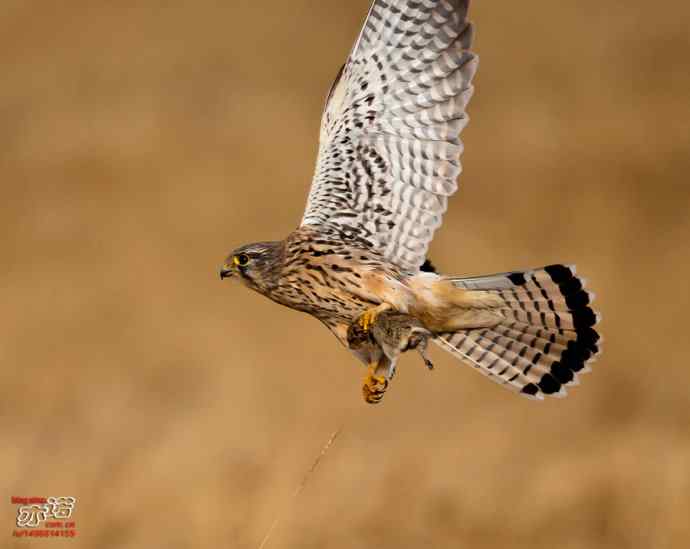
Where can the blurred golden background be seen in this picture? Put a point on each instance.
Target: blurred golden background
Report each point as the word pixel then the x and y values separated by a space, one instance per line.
pixel 140 142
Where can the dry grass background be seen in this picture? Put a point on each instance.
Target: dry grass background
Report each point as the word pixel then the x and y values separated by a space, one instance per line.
pixel 141 142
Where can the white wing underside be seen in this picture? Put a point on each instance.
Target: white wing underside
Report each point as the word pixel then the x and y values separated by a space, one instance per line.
pixel 389 144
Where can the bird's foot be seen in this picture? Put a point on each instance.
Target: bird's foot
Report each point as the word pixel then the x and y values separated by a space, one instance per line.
pixel 367 318
pixel 374 387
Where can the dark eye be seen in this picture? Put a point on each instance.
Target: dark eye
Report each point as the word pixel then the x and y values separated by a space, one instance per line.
pixel 242 260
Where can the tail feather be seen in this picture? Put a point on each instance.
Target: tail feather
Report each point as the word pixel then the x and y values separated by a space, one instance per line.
pixel 504 361
pixel 546 339
pixel 553 320
pixel 552 347
pixel 586 339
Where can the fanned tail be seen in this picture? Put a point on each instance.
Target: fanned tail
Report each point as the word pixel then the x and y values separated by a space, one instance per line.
pixel 548 336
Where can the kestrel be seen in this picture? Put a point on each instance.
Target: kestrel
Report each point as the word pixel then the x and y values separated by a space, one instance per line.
pixel 388 161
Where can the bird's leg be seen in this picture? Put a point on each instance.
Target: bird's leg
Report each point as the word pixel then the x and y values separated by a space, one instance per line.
pixel 374 386
pixel 367 318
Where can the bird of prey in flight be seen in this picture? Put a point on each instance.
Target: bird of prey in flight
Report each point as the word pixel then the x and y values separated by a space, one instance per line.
pixel 388 161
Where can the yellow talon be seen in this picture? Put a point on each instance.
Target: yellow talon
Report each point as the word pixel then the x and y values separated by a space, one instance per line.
pixel 374 386
pixel 367 319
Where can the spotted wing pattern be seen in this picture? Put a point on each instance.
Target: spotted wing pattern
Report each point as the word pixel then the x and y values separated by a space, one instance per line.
pixel 389 145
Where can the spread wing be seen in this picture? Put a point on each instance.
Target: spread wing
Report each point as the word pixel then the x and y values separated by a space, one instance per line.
pixel 389 145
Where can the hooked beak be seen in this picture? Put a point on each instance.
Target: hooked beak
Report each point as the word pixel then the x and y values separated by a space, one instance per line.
pixel 226 271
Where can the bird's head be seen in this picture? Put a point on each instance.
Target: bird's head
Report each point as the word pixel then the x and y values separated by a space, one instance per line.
pixel 256 265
